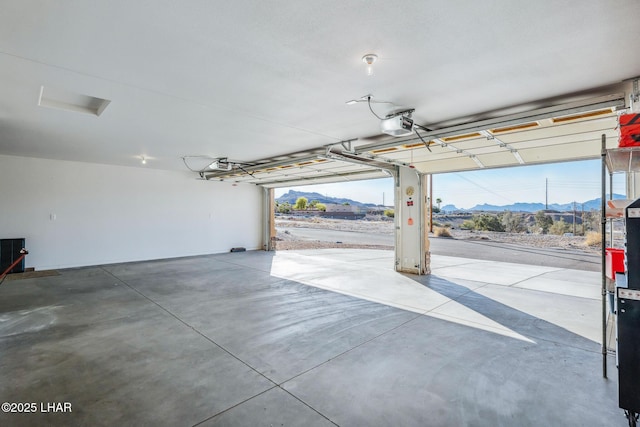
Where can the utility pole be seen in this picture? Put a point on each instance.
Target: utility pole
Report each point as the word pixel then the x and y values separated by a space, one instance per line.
pixel 431 203
pixel 583 219
pixel 546 194
pixel 574 218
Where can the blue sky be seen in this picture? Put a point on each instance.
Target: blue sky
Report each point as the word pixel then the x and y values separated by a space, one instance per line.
pixel 568 182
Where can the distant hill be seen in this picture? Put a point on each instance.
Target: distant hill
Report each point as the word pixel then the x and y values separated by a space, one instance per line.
pixel 450 208
pixel 593 204
pixel 533 207
pixel 292 196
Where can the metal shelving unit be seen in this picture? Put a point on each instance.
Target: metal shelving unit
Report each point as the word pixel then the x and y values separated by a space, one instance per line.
pixel 625 160
pixel 615 160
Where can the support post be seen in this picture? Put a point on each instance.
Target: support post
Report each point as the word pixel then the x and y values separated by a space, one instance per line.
pixel 430 203
pixel 412 241
pixel 269 220
pixel 632 185
pixel 603 223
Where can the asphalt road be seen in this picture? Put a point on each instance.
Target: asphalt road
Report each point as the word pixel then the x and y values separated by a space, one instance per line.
pixel 475 249
pixel 506 252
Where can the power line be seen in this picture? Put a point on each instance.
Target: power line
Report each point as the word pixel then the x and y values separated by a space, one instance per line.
pixel 484 188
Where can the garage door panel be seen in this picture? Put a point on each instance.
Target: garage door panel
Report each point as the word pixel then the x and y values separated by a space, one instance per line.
pixel 563 140
pixel 421 157
pixel 474 144
pixel 544 132
pixel 325 180
pixel 547 142
pixel 458 163
pixel 494 149
pixel 418 155
pixel 566 152
pixel 500 159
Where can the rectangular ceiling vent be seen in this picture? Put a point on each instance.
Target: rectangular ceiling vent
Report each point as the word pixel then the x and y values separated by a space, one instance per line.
pixel 459 137
pixel 582 116
pixel 384 150
pixel 419 144
pixel 515 127
pixel 68 101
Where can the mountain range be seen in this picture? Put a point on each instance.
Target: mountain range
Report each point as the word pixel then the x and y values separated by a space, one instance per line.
pixel 292 196
pixel 593 204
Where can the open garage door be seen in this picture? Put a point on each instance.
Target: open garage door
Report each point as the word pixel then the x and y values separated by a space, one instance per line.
pixel 557 133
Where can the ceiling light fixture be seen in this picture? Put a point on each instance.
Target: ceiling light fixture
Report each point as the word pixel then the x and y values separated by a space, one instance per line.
pixel 144 161
pixel 368 98
pixel 369 59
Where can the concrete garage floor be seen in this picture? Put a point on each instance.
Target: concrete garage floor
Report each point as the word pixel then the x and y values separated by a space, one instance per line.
pixel 313 338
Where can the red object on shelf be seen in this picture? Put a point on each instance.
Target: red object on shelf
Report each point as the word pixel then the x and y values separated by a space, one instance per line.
pixel 614 262
pixel 629 130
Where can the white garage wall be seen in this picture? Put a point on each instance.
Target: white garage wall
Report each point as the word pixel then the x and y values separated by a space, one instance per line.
pixel 77 214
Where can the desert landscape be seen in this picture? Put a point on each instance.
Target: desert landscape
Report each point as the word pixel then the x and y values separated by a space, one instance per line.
pixel 287 241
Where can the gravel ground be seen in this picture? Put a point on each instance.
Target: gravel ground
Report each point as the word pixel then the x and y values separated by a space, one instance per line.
pixel 287 242
pixel 531 240
pixel 363 226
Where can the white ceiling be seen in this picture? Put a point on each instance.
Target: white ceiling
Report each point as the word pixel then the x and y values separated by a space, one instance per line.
pixel 250 80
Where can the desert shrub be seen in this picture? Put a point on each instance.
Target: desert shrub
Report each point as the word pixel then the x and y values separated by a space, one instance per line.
pixel 284 207
pixel 468 224
pixel 513 223
pixel 441 232
pixel 390 213
pixel 487 222
pixel 543 222
pixel 301 203
pixel 592 220
pixel 559 227
pixel 593 238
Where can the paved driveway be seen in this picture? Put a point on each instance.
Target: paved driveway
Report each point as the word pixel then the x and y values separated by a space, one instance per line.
pixel 475 249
